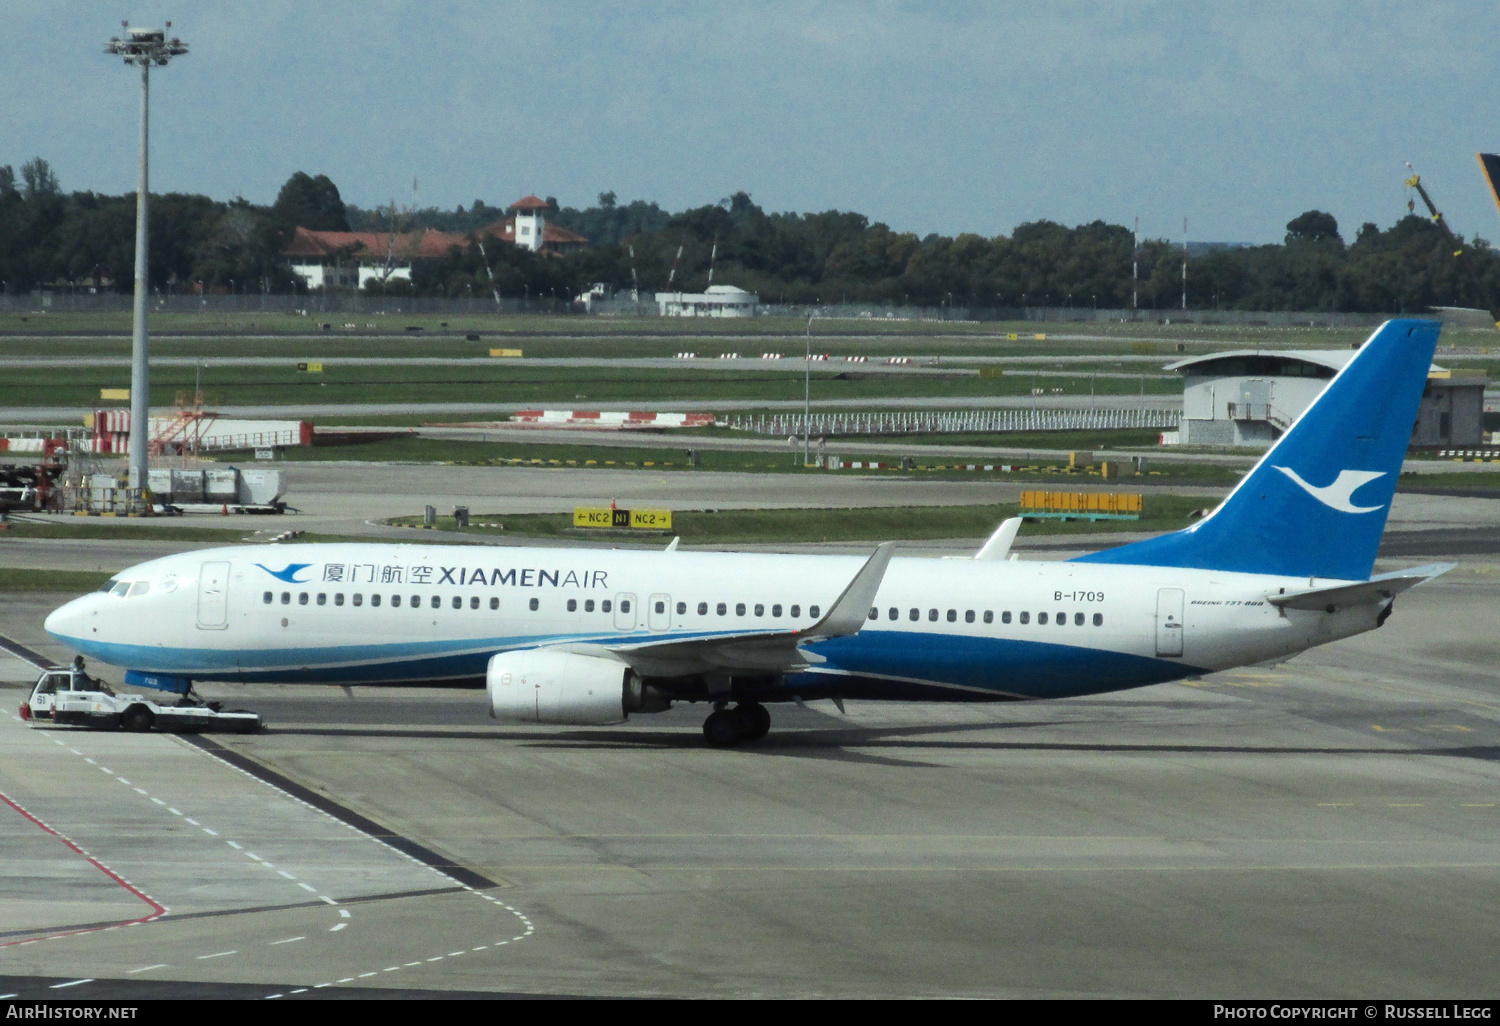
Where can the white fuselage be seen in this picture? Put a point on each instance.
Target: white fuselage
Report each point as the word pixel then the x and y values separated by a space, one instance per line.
pixel 940 628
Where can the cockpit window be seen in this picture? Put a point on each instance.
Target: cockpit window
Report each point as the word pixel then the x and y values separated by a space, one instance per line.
pixel 120 589
pixel 139 588
pixel 108 586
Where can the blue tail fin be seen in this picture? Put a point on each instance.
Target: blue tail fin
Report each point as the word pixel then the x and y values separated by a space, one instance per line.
pixel 1316 503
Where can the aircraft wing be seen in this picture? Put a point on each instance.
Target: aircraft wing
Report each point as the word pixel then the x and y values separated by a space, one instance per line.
pixel 756 651
pixel 1376 589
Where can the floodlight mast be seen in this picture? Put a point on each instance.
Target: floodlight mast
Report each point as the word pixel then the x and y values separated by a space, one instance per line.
pixel 142 47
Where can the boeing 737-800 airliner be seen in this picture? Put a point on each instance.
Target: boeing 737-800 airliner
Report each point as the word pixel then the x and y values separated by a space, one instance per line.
pixel 589 636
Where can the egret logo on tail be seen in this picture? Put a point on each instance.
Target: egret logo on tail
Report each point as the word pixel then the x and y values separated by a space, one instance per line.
pixel 1337 495
pixel 289 575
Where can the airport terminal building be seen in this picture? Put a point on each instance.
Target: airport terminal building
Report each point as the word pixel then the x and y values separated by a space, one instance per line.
pixel 1249 397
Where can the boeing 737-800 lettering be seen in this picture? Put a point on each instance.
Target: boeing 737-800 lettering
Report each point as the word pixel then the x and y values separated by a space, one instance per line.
pixel 588 636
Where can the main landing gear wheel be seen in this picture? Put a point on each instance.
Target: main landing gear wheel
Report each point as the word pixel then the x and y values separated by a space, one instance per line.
pixel 755 721
pixel 722 729
pixel 726 728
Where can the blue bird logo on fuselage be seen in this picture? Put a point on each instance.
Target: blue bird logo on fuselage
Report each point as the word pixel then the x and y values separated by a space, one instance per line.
pixel 289 574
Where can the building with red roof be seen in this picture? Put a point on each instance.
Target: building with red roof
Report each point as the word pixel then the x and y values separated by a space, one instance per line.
pixel 353 259
pixel 528 227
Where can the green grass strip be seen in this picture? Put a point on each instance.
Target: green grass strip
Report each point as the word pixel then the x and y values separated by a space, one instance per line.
pixel 98 527
pixel 771 526
pixel 68 581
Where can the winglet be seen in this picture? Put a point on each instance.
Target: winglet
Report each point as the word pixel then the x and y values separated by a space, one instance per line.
pixel 852 609
pixel 672 545
pixel 999 543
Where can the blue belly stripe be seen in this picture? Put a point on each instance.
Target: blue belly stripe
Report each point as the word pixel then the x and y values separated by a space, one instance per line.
pixel 986 668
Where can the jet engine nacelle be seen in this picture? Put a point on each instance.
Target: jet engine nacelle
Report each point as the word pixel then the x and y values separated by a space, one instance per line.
pixel 557 687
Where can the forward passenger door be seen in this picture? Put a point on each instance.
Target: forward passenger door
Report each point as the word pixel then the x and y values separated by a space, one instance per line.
pixel 213 597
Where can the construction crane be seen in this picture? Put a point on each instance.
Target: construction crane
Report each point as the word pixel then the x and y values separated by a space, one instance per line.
pixel 1415 182
pixel 1489 163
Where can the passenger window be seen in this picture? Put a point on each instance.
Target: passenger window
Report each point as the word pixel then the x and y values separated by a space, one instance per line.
pixel 572 605
pixel 1062 619
pixel 1025 617
pixel 458 602
pixel 266 598
pixel 681 608
pixel 588 605
pixel 338 598
pixel 606 606
pixel 322 598
pixel 795 612
pixel 473 601
pixel 968 616
pixel 893 614
pixel 812 611
pixel 1098 619
pixel 661 607
pixel 874 613
pixel 1041 618
pixel 914 615
pixel 437 603
pixel 286 598
pixel 739 609
pixel 395 601
pixel 1004 617
pixel 932 614
pixel 760 610
pixel 358 599
pixel 416 601
pixel 989 617
pixel 535 604
pixel 776 609
pixel 702 608
pixel 495 602
pixel 624 605
pixel 721 609
pixel 953 616
pixel 375 599
pixel 1077 619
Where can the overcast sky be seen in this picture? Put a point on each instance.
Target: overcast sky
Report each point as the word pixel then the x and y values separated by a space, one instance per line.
pixel 947 117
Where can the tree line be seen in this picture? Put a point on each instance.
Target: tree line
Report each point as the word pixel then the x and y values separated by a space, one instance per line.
pixel 55 240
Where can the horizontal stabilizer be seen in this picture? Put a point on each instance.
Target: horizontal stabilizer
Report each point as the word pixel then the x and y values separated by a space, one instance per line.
pixel 1376 589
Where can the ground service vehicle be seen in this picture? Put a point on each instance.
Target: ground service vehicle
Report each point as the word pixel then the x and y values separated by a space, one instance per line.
pixel 72 697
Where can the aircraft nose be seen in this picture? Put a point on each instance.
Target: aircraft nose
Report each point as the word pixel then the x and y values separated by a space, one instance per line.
pixel 66 621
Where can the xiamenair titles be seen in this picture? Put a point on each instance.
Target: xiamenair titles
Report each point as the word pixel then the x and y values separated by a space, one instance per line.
pixel 425 574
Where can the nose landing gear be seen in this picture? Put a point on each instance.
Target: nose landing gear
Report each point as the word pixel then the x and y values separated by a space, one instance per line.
pixel 747 721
